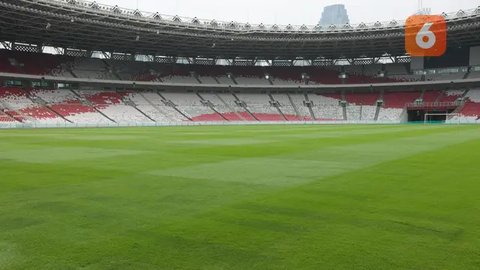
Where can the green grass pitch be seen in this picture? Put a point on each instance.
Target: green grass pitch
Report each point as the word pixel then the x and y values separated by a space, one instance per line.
pixel 250 197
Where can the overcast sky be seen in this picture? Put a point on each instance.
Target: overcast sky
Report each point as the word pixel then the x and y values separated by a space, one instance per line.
pixel 295 12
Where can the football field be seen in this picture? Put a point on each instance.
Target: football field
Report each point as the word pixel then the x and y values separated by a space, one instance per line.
pixel 241 197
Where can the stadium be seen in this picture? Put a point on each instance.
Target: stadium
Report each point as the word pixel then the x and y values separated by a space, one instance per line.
pixel 138 140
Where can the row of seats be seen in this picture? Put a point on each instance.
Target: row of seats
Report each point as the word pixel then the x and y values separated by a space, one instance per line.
pixel 471 109
pixel 95 68
pixel 125 107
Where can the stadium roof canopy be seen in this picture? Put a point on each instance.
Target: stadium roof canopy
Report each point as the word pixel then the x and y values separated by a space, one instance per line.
pixel 90 26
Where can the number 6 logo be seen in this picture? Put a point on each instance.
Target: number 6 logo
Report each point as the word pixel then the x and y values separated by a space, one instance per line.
pixel 426 35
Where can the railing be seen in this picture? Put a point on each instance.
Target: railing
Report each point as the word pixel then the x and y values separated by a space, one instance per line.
pixel 434 105
pixel 181 124
pixel 460 120
pixel 151 84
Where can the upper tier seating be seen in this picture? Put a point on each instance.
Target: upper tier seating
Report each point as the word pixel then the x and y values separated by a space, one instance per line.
pixel 180 79
pixel 251 80
pixel 445 76
pixel 474 75
pixel 135 71
pixel 396 69
pixel 207 80
pixel 406 78
pixel 95 68
pixel 29 63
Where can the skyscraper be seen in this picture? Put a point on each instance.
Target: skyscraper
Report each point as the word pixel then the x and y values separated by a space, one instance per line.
pixel 334 14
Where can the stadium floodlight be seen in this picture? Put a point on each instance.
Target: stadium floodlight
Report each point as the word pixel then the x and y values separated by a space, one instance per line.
pixel 94 5
pixel 461 13
pixel 232 25
pixel 195 20
pixel 116 9
pixel 393 23
pixel 137 13
pixel 157 16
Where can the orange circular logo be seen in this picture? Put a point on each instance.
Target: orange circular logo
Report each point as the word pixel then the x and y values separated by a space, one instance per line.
pixel 426 35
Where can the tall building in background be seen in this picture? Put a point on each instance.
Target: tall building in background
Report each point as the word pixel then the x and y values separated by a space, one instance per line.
pixel 334 14
pixel 423 10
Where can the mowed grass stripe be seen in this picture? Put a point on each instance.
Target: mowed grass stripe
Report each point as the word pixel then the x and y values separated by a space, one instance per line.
pixel 357 220
pixel 263 197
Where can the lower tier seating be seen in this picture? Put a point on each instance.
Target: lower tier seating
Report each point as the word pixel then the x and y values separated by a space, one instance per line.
pixel 98 107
